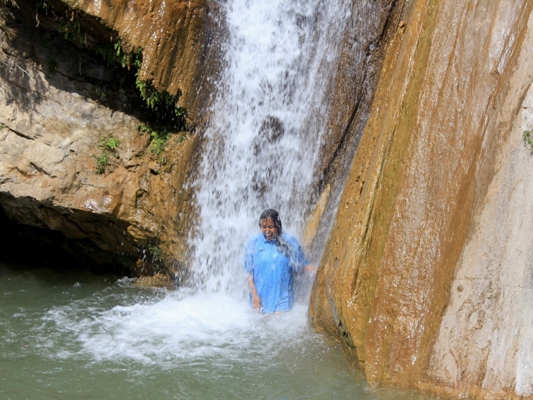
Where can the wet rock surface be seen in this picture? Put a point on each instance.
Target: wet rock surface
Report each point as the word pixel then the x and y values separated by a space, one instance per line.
pixel 428 223
pixel 351 93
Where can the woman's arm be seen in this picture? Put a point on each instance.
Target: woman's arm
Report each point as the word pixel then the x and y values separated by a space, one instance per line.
pixel 256 301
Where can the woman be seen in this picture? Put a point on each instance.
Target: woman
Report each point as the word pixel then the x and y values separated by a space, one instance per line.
pixel 272 258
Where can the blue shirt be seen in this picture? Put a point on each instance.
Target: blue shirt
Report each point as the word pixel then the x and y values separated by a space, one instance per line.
pixel 272 270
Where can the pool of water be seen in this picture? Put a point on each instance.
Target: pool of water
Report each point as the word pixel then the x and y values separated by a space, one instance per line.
pixel 71 334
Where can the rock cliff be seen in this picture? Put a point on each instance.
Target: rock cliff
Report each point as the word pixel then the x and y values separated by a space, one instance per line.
pixel 425 277
pixel 81 154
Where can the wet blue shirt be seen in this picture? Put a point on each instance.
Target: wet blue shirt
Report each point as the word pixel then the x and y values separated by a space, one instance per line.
pixel 272 270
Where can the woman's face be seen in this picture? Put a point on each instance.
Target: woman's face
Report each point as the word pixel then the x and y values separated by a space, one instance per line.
pixel 269 230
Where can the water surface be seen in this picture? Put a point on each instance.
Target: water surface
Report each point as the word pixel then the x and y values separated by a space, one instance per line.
pixel 71 334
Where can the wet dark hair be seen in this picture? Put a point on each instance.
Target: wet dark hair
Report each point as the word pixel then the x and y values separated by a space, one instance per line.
pixel 274 215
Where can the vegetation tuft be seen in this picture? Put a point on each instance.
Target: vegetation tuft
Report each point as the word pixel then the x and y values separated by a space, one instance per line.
pixel 102 161
pixel 109 146
pixel 528 140
pixel 155 253
pixel 159 139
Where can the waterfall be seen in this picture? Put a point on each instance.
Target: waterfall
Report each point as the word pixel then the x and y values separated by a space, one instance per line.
pixel 265 129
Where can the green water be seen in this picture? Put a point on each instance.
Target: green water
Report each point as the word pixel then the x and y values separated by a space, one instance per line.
pixel 66 335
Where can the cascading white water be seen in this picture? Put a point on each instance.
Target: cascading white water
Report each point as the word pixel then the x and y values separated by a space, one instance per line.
pixel 266 127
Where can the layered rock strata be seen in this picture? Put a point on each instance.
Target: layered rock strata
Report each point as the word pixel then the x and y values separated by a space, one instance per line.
pixel 77 158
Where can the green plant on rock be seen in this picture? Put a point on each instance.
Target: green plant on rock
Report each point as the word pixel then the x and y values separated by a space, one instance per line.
pixel 117 54
pixel 107 53
pixel 151 96
pixel 120 53
pixel 102 162
pixel 109 146
pixel 155 253
pixel 110 143
pixel 159 139
pixel 527 136
pixel 71 30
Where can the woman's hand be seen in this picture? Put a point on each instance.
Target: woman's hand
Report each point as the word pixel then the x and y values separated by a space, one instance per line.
pixel 256 302
pixel 310 268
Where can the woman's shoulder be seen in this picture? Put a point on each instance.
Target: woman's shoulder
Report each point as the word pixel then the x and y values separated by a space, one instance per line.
pixel 255 239
pixel 290 238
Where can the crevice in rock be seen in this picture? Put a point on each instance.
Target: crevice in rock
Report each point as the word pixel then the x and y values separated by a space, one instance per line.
pixel 23 243
pixel 19 133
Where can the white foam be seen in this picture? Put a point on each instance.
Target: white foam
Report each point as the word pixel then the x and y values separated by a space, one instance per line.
pixel 174 329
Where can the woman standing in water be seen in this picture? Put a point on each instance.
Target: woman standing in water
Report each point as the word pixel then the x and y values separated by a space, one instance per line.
pixel 272 258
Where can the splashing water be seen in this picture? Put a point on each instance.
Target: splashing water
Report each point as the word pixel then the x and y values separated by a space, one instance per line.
pixel 266 128
pixel 71 334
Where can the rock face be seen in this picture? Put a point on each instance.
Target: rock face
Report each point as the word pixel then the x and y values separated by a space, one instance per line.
pixel 425 277
pixel 173 35
pixel 352 91
pixel 76 159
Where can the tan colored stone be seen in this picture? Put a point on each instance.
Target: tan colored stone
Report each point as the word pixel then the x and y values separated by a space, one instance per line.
pixel 49 142
pixel 449 94
pixel 171 34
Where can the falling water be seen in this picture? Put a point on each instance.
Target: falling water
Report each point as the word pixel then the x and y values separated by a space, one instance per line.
pixel 266 127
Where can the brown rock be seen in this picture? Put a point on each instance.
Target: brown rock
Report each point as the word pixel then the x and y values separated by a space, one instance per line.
pixel 51 136
pixel 448 97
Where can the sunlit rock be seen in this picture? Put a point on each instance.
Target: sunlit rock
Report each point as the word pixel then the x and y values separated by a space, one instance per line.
pixel 425 275
pixel 58 172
